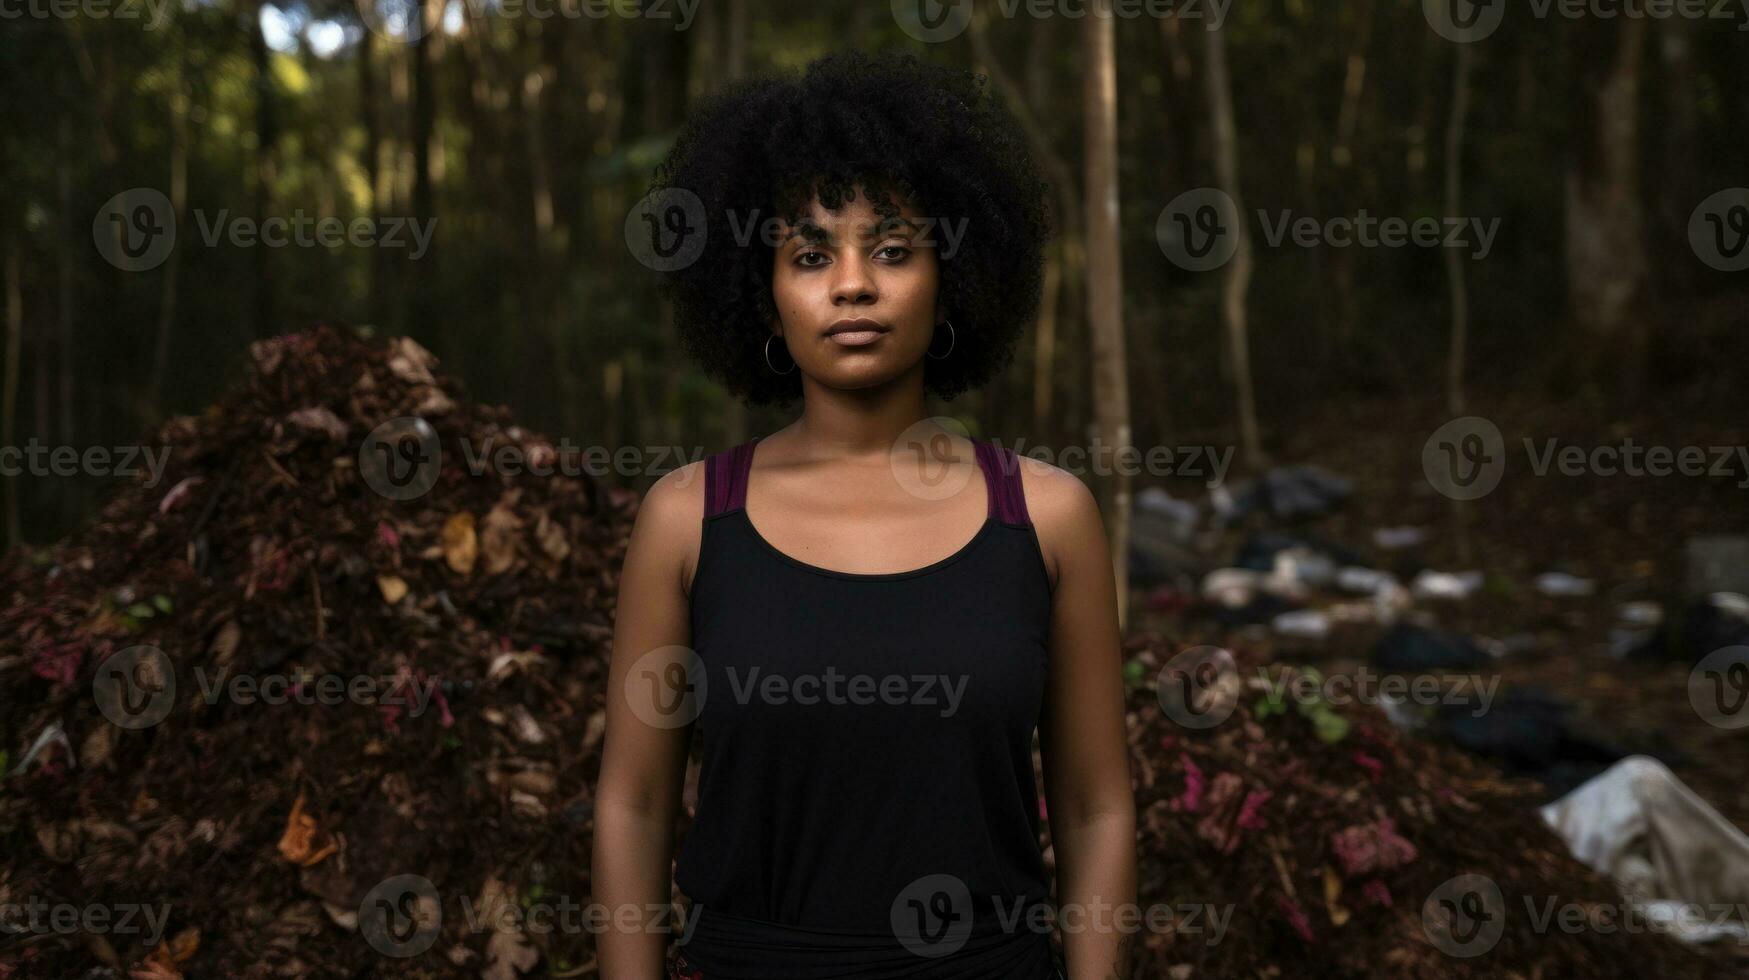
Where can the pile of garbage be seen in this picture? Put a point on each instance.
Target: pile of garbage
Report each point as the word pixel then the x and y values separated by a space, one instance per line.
pixel 1294 837
pixel 352 635
pixel 327 700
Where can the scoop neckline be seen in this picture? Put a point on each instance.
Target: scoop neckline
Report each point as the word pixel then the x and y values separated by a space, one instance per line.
pixel 983 532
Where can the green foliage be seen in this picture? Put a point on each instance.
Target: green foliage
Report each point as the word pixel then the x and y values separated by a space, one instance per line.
pixel 1329 726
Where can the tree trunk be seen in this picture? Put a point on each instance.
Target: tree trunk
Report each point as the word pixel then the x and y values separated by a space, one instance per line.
pixel 1677 189
pixel 1606 255
pixel 178 205
pixel 1044 359
pixel 1236 277
pixel 367 111
pixel 422 306
pixel 1454 266
pixel 734 62
pixel 9 394
pixel 1105 277
pixel 64 314
pixel 265 173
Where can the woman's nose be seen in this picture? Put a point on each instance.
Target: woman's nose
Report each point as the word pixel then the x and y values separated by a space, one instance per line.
pixel 852 283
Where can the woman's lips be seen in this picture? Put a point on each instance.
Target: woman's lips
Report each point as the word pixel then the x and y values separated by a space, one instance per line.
pixel 859 332
pixel 855 338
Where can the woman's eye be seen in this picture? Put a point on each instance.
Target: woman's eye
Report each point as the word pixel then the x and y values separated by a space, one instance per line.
pixel 802 258
pixel 894 252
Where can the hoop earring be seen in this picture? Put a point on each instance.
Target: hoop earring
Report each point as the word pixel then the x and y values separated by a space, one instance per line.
pixel 773 367
pixel 952 338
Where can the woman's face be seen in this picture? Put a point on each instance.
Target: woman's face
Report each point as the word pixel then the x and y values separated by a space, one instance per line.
pixel 856 293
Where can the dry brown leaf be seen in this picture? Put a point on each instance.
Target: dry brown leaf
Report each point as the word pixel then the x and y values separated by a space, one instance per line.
pixel 97 745
pixel 411 362
pixel 319 419
pixel 461 546
pixel 433 402
pixel 299 842
pixel 502 528
pixel 186 944
pixel 1333 896
pixel 508 951
pixel 161 964
pixel 393 588
pixel 551 536
pixel 226 641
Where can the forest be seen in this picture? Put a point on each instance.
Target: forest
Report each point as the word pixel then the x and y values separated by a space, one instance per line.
pixel 1400 341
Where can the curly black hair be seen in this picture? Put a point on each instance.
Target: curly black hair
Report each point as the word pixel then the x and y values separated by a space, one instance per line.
pixel 898 127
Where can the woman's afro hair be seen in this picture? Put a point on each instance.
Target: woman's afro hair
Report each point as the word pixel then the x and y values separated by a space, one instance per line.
pixel 899 128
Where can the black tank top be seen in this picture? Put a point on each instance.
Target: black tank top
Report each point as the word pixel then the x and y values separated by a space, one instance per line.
pixel 866 804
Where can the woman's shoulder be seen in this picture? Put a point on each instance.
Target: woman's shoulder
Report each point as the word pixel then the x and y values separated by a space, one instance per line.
pixel 668 526
pixel 1063 510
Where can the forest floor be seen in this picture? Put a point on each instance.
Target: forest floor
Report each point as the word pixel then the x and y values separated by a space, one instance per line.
pixel 1628 534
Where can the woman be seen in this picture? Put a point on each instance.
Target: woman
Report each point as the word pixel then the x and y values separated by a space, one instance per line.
pixel 865 613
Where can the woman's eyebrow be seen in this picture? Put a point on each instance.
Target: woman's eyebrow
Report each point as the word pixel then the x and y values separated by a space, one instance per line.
pixel 897 226
pixel 807 230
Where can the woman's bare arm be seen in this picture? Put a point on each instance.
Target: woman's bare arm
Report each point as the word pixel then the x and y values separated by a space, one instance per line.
pixel 643 761
pixel 1088 791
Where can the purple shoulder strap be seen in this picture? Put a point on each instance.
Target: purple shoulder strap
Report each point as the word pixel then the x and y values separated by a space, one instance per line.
pixel 1002 479
pixel 725 479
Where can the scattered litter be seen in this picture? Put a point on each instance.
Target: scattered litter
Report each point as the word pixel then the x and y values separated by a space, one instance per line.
pixel 1666 848
pixel 1231 587
pixel 1706 625
pixel 54 734
pixel 1398 538
pixel 1718 563
pixel 1354 578
pixel 1305 624
pixel 1445 585
pixel 1409 647
pixel 1564 586
pixel 1289 493
pixel 1640 613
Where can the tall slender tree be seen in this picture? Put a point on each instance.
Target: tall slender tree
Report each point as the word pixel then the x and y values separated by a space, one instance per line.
pixel 1111 397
